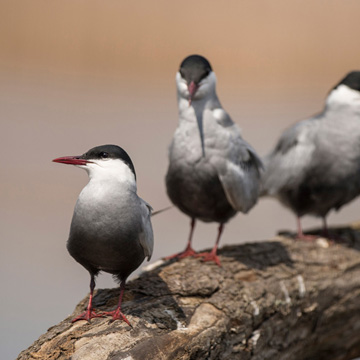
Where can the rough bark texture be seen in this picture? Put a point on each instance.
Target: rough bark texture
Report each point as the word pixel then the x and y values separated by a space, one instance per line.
pixel 277 299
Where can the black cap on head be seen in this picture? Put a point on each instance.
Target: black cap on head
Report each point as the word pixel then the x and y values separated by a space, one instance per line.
pixel 194 68
pixel 109 152
pixel 352 80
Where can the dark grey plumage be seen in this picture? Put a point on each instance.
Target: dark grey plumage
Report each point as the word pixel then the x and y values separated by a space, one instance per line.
pixel 213 173
pixel 315 166
pixel 111 228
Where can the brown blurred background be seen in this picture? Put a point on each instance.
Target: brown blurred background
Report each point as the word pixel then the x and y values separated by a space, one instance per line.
pixel 79 73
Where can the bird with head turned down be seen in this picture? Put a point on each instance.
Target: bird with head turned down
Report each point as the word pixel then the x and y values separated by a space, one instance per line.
pixel 213 172
pixel 315 166
pixel 111 229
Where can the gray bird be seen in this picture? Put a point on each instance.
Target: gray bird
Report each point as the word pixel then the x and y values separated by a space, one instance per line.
pixel 315 166
pixel 111 229
pixel 213 173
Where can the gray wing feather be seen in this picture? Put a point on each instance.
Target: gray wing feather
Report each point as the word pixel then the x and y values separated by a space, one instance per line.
pixel 290 159
pixel 289 139
pixel 146 236
pixel 241 182
pixel 238 170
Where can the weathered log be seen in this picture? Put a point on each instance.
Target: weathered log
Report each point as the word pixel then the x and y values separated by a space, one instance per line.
pixel 277 299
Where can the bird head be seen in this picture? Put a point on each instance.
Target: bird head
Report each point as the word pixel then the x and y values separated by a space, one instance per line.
pixel 195 78
pixel 104 162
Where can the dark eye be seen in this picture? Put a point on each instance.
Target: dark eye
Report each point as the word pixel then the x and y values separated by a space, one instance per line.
pixel 205 74
pixel 104 155
pixel 182 73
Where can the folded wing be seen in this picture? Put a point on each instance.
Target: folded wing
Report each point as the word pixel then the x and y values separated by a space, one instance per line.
pixel 146 236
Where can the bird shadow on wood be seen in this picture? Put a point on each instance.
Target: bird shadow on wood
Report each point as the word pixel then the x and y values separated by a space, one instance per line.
pixel 152 300
pixel 258 255
pixel 147 298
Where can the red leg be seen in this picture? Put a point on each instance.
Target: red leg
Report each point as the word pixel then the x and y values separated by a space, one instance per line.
pixel 325 230
pixel 117 314
pixel 89 313
pixel 331 237
pixel 212 255
pixel 300 235
pixel 189 251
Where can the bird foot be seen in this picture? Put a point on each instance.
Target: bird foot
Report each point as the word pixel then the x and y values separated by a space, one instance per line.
pixel 117 315
pixel 334 238
pixel 331 235
pixel 307 237
pixel 209 256
pixel 87 315
pixel 189 251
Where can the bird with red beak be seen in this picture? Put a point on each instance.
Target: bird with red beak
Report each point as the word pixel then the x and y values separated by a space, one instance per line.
pixel 193 82
pixel 111 229
pixel 213 172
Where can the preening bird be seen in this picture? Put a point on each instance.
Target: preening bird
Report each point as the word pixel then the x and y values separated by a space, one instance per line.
pixel 213 173
pixel 111 229
pixel 315 166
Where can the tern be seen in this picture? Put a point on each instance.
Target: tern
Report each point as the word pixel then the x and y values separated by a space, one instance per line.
pixel 315 166
pixel 111 229
pixel 213 172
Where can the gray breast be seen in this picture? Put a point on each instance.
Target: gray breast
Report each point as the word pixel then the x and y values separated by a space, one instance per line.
pixel 196 189
pixel 107 241
pixel 320 191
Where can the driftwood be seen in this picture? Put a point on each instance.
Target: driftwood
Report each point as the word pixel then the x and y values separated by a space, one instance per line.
pixel 277 299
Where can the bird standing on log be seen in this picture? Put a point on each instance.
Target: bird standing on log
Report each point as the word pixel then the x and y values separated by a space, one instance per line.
pixel 315 166
pixel 213 173
pixel 111 229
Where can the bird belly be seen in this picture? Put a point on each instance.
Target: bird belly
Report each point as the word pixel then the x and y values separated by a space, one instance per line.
pixel 321 190
pixel 196 190
pixel 100 243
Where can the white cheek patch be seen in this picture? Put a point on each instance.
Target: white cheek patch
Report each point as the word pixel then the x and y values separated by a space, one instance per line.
pixel 181 85
pixel 110 169
pixel 212 78
pixel 183 88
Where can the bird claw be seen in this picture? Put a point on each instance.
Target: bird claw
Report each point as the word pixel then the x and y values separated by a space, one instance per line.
pixel 188 252
pixel 87 315
pixel 209 256
pixel 310 238
pixel 117 315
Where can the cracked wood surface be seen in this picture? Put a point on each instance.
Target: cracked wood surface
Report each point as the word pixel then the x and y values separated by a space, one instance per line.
pixel 277 299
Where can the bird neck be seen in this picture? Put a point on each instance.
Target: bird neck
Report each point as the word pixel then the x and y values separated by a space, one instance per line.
pixel 198 105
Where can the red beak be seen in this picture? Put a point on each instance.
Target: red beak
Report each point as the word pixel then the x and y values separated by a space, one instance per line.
pixel 72 160
pixel 192 90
